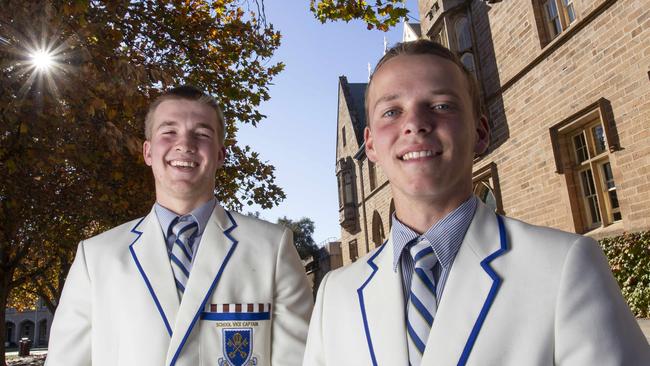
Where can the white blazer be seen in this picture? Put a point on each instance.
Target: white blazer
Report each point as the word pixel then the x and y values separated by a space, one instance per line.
pixel 516 295
pixel 247 300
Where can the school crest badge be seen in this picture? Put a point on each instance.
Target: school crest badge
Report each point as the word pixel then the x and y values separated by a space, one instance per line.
pixel 237 347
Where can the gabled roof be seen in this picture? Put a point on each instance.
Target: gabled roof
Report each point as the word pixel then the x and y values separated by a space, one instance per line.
pixel 354 94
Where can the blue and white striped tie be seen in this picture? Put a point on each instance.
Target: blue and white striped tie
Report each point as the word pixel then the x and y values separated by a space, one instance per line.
pixel 421 308
pixel 183 230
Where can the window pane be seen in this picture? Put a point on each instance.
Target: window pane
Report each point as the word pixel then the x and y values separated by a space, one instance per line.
pixel 463 35
pixel 555 27
pixel 468 60
pixel 568 5
pixel 599 138
pixel 617 216
pixel 580 146
pixel 613 198
pixel 607 176
pixel 591 201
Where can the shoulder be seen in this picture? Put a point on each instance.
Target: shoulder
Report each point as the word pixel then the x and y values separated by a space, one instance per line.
pixel 542 239
pixel 121 235
pixel 357 272
pixel 257 227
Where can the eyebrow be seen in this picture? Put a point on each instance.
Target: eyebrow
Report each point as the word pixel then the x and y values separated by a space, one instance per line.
pixel 432 92
pixel 173 123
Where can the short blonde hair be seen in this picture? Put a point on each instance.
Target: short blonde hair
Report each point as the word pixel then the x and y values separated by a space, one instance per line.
pixel 427 47
pixel 186 92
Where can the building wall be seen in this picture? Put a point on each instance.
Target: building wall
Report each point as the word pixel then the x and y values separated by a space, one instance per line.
pixel 532 84
pixel 37 318
pixel 606 56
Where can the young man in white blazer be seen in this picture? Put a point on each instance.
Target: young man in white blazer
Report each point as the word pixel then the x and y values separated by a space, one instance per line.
pixel 456 284
pixel 190 283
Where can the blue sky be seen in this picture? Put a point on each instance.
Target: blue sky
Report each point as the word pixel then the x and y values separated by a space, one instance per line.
pixel 298 135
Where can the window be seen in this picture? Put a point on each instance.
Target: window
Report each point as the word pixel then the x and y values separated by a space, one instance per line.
pixel 378 235
pixel 347 193
pixel 582 145
pixel 354 252
pixel 372 175
pixel 343 139
pixel 42 332
pixel 463 35
pixel 594 176
pixel 558 15
pixel 486 187
pixel 463 43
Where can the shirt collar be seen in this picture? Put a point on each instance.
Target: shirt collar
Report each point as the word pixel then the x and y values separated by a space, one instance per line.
pixel 200 214
pixel 445 236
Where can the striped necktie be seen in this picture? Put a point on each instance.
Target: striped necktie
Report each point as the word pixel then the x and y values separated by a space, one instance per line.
pixel 183 231
pixel 421 307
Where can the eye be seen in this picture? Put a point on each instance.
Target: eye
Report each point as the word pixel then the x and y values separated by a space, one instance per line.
pixel 390 113
pixel 441 107
pixel 204 135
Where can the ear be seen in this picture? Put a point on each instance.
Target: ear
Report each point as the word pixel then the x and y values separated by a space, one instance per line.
pixel 146 152
pixel 221 156
pixel 482 135
pixel 369 143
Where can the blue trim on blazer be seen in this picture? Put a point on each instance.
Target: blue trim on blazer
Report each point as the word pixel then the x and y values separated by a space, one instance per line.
pixel 496 282
pixel 363 306
pixel 212 287
pixel 146 280
pixel 235 316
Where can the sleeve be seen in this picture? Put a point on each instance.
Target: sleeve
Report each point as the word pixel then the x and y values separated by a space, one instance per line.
pixel 593 324
pixel 314 352
pixel 293 303
pixel 69 342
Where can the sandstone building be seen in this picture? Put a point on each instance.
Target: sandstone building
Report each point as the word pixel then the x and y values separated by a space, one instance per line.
pixel 566 85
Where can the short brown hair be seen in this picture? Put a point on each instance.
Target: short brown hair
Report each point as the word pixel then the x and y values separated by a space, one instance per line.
pixel 187 92
pixel 427 47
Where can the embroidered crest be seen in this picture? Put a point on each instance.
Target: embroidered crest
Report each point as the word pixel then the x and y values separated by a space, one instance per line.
pixel 237 347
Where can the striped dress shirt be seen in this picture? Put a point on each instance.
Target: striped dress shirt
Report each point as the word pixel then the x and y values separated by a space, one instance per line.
pixel 201 216
pixel 445 237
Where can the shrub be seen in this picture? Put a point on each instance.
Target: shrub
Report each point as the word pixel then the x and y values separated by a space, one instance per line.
pixel 629 258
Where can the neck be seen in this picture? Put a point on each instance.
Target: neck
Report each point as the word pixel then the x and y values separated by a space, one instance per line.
pixel 182 206
pixel 421 214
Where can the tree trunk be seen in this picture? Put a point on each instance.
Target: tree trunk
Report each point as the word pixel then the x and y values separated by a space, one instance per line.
pixel 4 295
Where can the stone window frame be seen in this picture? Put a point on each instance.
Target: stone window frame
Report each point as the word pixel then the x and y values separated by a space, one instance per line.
pixel 587 174
pixel 487 177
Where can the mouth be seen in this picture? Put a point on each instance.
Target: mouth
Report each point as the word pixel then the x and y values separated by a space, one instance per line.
pixel 183 164
pixel 412 155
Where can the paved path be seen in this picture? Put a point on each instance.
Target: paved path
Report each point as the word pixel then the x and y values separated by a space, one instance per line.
pixel 645 327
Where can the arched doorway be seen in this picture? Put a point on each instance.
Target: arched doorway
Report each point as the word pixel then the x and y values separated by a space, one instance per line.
pixel 26 330
pixel 42 333
pixel 10 329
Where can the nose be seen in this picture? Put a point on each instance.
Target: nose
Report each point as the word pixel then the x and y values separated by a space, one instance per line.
pixel 418 121
pixel 186 143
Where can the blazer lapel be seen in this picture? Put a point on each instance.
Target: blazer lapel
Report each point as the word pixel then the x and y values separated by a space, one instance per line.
pixel 468 293
pixel 215 249
pixel 381 302
pixel 149 253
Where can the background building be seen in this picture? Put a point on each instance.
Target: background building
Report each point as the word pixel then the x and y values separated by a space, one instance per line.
pixel 567 93
pixel 32 324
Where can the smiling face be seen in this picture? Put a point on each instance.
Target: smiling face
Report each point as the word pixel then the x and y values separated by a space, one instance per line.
pixel 422 129
pixel 184 153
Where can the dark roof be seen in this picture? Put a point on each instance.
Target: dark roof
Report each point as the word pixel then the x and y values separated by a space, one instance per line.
pixel 355 98
pixel 416 28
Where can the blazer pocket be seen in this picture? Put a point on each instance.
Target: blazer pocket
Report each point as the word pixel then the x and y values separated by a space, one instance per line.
pixel 236 334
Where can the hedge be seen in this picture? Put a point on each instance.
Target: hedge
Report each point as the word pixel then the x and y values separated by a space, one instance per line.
pixel 629 258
